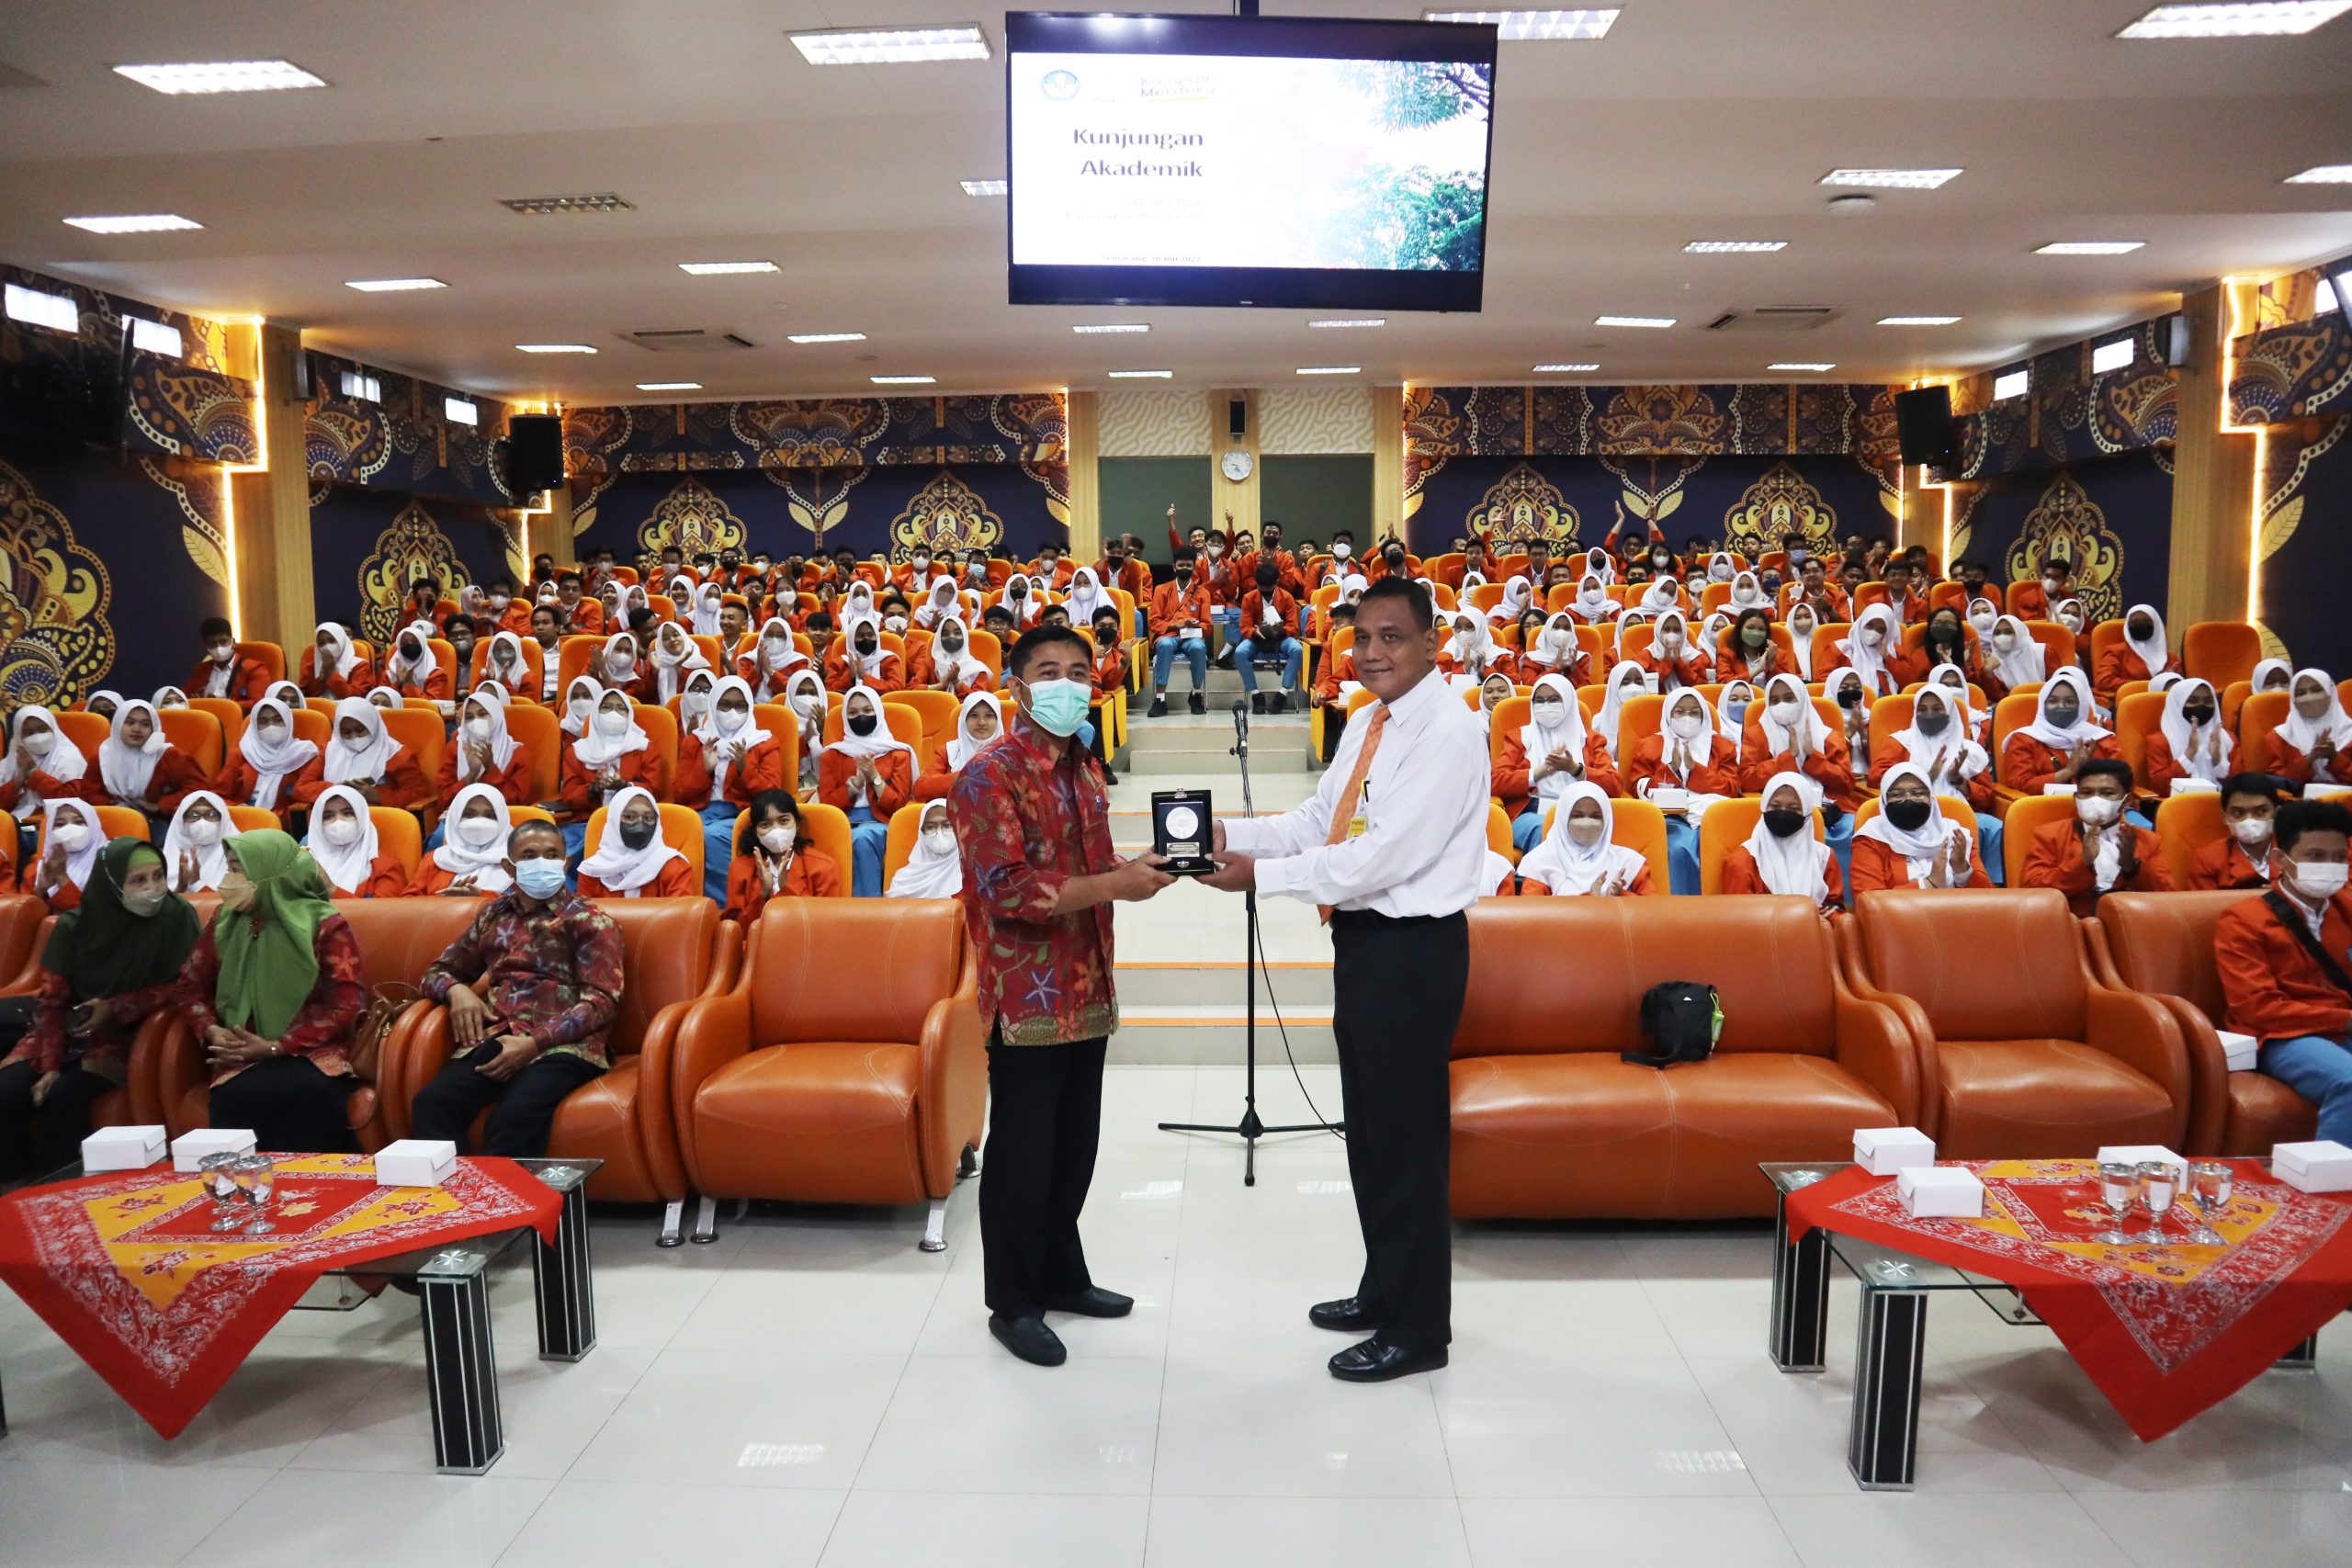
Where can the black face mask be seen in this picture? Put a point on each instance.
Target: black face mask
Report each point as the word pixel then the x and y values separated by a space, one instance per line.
pixel 867 644
pixel 637 835
pixel 2143 629
pixel 862 724
pixel 1784 824
pixel 2198 714
pixel 1849 696
pixel 2063 717
pixel 1909 815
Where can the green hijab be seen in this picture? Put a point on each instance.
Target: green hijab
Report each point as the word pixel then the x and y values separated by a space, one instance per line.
pixel 104 950
pixel 269 960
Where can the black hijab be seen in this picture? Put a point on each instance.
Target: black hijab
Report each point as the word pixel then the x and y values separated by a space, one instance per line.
pixel 104 950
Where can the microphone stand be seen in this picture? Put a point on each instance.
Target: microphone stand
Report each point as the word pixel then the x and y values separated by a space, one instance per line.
pixel 1250 1128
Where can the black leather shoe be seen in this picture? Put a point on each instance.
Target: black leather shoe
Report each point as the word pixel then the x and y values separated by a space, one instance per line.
pixel 1158 708
pixel 1196 701
pixel 1372 1361
pixel 1349 1315
pixel 1280 702
pixel 1093 1301
pixel 1256 702
pixel 1029 1338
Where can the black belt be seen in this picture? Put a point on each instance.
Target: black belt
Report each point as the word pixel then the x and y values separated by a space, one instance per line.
pixel 1345 919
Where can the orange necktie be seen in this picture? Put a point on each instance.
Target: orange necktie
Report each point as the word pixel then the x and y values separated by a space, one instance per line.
pixel 1344 813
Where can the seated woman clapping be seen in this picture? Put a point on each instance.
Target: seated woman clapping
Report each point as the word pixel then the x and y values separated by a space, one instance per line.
pixel 360 753
pixel 1576 856
pixel 1910 843
pixel 774 861
pixel 70 845
pixel 472 858
pixel 1781 855
pixel 350 856
pixel 977 723
pixel 629 859
pixel 195 846
pixel 270 763
pixel 935 869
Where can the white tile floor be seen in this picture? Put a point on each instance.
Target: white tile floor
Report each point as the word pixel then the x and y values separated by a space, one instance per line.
pixel 811 1390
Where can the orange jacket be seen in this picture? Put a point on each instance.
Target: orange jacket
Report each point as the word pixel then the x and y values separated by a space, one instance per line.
pixel 575 785
pixel 248 682
pixel 404 783
pixel 358 684
pixel 1175 605
pixel 2056 860
pixel 2225 864
pixel 512 781
pixel 1512 784
pixel 2116 664
pixel 813 875
pixel 1887 752
pixel 896 770
pixel 2027 764
pixel 1718 773
pixel 2274 989
pixel 1642 886
pixel 1831 766
pixel 1877 867
pixel 1740 875
pixel 675 881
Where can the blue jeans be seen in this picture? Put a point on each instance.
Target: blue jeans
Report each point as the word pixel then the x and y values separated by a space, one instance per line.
pixel 1527 828
pixel 2319 1069
pixel 717 849
pixel 1988 848
pixel 1292 651
pixel 1681 855
pixel 1229 620
pixel 869 836
pixel 1195 649
pixel 1841 845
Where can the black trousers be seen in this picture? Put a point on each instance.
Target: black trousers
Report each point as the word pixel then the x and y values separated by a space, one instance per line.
pixel 291 1107
pixel 526 1103
pixel 1045 1120
pixel 1399 985
pixel 35 1141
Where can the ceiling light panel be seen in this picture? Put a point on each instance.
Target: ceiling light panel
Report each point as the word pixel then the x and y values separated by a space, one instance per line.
pixel 1655 321
pixel 1891 179
pixel 1733 247
pixel 1351 322
pixel 2248 18
pixel 1564 369
pixel 1538 26
pixel 222 76
pixel 1113 327
pixel 1329 369
pixel 44 309
pixel 393 284
pixel 133 224
pixel 555 348
pixel 669 385
pixel 2089 247
pixel 727 269
pixel 1917 321
pixel 1140 375
pixel 983 187
pixel 889 46
pixel 155 337
pixel 2325 175
pixel 1800 364
pixel 824 337
pixel 902 380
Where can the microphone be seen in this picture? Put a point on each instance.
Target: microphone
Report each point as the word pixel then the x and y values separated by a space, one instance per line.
pixel 1242 716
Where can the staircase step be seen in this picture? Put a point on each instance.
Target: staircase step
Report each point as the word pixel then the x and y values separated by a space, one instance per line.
pixel 1215 759
pixel 1214 1036
pixel 1299 989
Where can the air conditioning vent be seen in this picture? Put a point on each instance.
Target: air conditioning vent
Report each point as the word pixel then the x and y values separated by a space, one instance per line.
pixel 689 339
pixel 1774 318
pixel 537 206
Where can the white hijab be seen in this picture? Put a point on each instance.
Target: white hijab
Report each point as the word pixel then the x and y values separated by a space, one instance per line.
pixel 868 665
pixel 960 749
pixel 694 699
pixel 1968 758
pixel 62 762
pixel 1568 868
pixel 597 750
pixel 1592 601
pixel 1555 645
pixel 857 746
pixel 1471 645
pixel 1662 594
pixel 1700 747
pixel 626 871
pixel 2023 662
pixel 1515 595
pixel 516 667
pixel 271 763
pixel 211 862
pixel 1747 593
pixel 2191 743
pixel 502 745
pixel 707 599
pixel 286 692
pixel 1918 846
pixel 580 689
pixel 78 865
pixel 675 657
pixel 2296 730
pixel 1792 865
pixel 938 598
pixel 348 866
pixel 399 667
pixel 1870 663
pixel 2265 668
pixel 812 729
pixel 1537 741
pixel 369 761
pixel 125 770
pixel 1801 638
pixel 928 873
pixel 169 697
pixel 462 860
pixel 747 737
pixel 345 655
pixel 1612 703
pixel 2082 732
pixel 961 664
pixel 1779 739
pixel 2154 651
pixel 1086 596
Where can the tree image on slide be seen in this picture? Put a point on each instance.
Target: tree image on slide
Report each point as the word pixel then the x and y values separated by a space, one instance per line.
pixel 1416 219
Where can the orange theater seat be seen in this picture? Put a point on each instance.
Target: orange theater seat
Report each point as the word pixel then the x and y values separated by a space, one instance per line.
pixel 832 1082
pixel 25 923
pixel 2027 1052
pixel 197 735
pixel 2162 944
pixel 1548 1124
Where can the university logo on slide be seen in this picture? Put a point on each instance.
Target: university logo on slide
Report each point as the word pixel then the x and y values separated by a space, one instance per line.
pixel 1059 85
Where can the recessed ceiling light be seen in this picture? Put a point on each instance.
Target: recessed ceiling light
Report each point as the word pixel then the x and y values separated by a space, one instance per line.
pixel 555 348
pixel 1632 321
pixel 1113 327
pixel 2088 247
pixel 1917 321
pixel 1563 369
pixel 824 337
pixel 1891 179
pixel 1800 365
pixel 222 76
pixel 669 385
pixel 1352 321
pixel 1549 25
pixel 542 206
pixel 723 269
pixel 133 224
pixel 1140 375
pixel 983 187
pixel 1329 369
pixel 2325 175
pixel 1722 247
pixel 2242 19
pixel 889 46
pixel 902 380
pixel 393 284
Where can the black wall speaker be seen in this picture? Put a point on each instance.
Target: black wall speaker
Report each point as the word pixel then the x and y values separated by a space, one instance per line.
pixel 1923 425
pixel 2178 341
pixel 534 452
pixel 1237 418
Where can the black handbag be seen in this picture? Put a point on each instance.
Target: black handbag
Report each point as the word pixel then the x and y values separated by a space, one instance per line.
pixel 1682 1020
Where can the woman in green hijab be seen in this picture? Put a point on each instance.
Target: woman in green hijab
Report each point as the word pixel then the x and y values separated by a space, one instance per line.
pixel 274 990
pixel 109 963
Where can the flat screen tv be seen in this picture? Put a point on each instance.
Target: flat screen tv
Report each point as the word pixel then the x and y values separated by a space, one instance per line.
pixel 1288 161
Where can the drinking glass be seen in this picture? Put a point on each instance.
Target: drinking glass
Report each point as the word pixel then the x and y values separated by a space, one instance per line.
pixel 2118 1187
pixel 256 1182
pixel 219 1179
pixel 2159 1185
pixel 2210 1182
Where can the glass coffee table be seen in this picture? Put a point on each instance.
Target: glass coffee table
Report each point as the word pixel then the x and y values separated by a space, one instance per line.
pixel 1891 1331
pixel 452 1287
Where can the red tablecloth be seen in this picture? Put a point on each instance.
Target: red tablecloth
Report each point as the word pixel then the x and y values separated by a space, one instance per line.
pixel 126 1268
pixel 2165 1332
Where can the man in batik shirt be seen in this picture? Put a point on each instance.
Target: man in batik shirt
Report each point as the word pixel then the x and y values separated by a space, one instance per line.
pixel 1033 825
pixel 532 986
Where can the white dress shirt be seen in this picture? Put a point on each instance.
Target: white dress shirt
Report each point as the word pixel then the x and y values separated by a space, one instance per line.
pixel 1424 844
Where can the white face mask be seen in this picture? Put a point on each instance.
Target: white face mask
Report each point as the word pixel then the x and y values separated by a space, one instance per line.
pixel 731 719
pixel 38 742
pixel 479 831
pixel 2320 879
pixel 939 840
pixel 1549 716
pixel 894 623
pixel 775 841
pixel 807 705
pixel 202 831
pixel 579 706
pixel 271 734
pixel 342 832
pixel 2251 831
pixel 610 724
pixel 478 729
pixel 71 835
pixel 1982 622
pixel 1687 725
pixel 621 663
pixel 2004 642
pixel 778 647
pixel 1784 711
pixel 2097 809
pixel 224 653
pixel 500 601
pixel 1585 831
pixel 1873 634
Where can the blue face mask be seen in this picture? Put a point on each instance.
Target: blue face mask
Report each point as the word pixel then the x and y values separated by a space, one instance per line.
pixel 539 878
pixel 1060 707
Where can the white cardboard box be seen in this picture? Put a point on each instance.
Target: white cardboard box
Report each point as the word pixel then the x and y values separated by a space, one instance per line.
pixel 2133 1154
pixel 1670 800
pixel 123 1148
pixel 415 1162
pixel 190 1148
pixel 1941 1191
pixel 2239 1049
pixel 2055 787
pixel 2321 789
pixel 2321 1166
pixel 1883 1151
pixel 2185 785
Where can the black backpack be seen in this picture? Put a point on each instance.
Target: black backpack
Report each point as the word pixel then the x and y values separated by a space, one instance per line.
pixel 1682 1020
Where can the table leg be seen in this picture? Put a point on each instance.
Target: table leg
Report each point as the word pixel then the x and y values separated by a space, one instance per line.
pixel 1799 1330
pixel 460 1364
pixel 1883 1449
pixel 565 1284
pixel 2303 1358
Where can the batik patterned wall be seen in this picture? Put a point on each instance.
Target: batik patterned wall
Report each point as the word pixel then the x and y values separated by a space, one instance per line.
pixel 2069 416
pixel 2111 519
pixel 406 441
pixel 369 546
pixel 2305 546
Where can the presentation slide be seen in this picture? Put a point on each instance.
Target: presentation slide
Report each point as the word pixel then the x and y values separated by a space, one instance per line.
pixel 1242 161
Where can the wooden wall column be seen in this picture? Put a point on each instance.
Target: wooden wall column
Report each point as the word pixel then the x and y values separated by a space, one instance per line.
pixel 1241 500
pixel 1388 463
pixel 2211 561
pixel 1085 422
pixel 276 596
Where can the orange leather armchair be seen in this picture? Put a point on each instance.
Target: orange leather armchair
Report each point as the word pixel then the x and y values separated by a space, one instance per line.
pixel 827 1082
pixel 1549 1123
pixel 2026 1054
pixel 2162 944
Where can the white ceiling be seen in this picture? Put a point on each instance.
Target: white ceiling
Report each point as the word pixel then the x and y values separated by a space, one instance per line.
pixel 1694 120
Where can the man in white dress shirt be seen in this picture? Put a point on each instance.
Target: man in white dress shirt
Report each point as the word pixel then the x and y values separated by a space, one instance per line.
pixel 1391 846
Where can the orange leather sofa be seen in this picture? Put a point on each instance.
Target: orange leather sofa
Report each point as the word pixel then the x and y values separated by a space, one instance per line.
pixel 2162 944
pixel 1548 1124
pixel 675 952
pixel 848 1065
pixel 2025 1052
